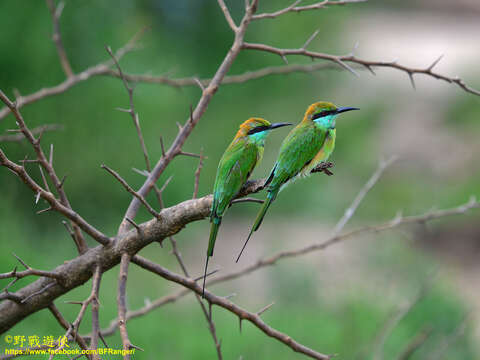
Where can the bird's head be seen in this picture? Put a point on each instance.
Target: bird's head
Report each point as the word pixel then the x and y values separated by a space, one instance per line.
pixel 324 113
pixel 257 129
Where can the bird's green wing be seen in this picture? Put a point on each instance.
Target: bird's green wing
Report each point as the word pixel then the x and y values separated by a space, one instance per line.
pixel 235 167
pixel 297 150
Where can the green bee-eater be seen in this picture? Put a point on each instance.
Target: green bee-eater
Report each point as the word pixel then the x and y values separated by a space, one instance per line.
pixel 236 165
pixel 306 146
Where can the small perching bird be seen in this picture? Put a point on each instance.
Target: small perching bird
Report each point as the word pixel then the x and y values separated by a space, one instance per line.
pixel 306 146
pixel 236 165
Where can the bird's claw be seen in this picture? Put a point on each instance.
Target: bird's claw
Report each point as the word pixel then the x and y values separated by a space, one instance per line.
pixel 323 167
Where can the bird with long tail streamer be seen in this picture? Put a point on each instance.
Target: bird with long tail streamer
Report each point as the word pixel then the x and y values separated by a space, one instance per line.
pixel 308 144
pixel 235 167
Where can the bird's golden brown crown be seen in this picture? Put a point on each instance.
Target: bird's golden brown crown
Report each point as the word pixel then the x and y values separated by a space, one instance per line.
pixel 318 107
pixel 250 124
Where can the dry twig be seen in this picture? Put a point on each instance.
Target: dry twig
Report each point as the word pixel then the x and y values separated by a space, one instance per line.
pixel 342 61
pixel 35 131
pixel 56 12
pixel 294 8
pixel 226 304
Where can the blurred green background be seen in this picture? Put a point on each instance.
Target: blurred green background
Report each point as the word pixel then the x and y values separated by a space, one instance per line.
pixel 336 301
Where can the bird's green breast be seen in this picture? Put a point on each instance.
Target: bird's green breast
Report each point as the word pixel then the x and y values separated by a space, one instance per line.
pixel 298 149
pixel 233 170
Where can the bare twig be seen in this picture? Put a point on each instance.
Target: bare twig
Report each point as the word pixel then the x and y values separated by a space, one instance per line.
pixel 131 191
pixel 382 166
pixel 231 79
pixel 392 323
pixel 95 313
pixel 47 165
pixel 132 111
pixel 242 314
pixel 100 69
pixel 208 317
pixel 42 290
pixel 294 8
pixel 31 271
pixel 121 303
pixel 197 176
pixel 9 296
pixel 56 12
pixel 54 203
pixel 201 107
pixel 247 199
pixel 72 329
pixel 35 131
pixel 418 340
pixel 441 350
pixel 265 308
pixel 227 15
pixel 343 60
pixel 67 326
pixel 173 219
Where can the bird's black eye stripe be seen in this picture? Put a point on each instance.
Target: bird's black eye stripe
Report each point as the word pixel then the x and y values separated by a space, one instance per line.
pixel 258 129
pixel 323 113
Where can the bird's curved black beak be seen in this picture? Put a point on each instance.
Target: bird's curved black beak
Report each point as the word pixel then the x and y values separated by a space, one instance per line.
pixel 278 125
pixel 345 109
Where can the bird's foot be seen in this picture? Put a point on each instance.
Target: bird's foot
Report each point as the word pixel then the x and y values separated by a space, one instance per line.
pixel 323 167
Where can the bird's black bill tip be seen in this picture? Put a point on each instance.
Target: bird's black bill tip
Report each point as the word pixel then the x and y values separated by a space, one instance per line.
pixel 278 125
pixel 345 109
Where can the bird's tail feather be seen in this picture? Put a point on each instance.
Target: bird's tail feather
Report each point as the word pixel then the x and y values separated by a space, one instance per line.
pixel 258 221
pixel 216 221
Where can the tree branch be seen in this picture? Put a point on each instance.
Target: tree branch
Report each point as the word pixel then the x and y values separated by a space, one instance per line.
pixel 54 203
pixel 294 8
pixel 200 109
pixel 99 69
pixel 35 131
pixel 369 65
pixel 129 189
pixel 55 13
pixel 69 327
pixel 272 260
pixel 242 314
pixel 47 165
pixel 382 166
pixel 121 301
pixel 208 317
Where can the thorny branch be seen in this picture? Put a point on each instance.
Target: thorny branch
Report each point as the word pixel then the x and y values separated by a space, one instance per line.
pixel 62 205
pixel 122 303
pixel 342 61
pixel 208 316
pixel 176 147
pixel 294 8
pixel 35 131
pixel 129 189
pixel 44 291
pixel 272 260
pixel 96 70
pixel 67 326
pixel 30 271
pixel 242 314
pixel 54 203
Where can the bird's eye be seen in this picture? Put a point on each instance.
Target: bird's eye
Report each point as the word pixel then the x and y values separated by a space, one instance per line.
pixel 257 129
pixel 322 114
pixel 319 115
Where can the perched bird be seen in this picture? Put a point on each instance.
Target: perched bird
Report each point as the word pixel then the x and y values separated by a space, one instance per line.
pixel 306 146
pixel 236 165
